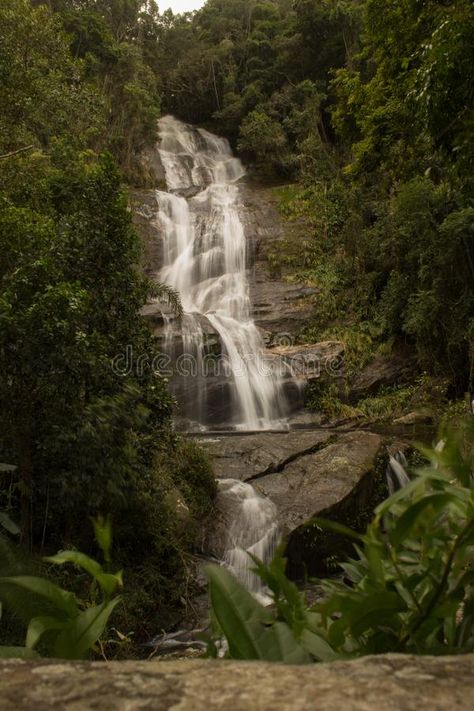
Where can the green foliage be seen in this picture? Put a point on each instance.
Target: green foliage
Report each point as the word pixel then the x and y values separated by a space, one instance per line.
pixel 79 100
pixel 368 107
pixel 251 629
pixel 60 624
pixel 260 71
pixel 408 590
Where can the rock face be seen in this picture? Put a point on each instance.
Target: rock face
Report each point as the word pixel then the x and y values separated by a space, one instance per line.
pixel 281 309
pixel 332 479
pixel 323 360
pixel 153 172
pixel 389 682
pixel 305 474
pixel 423 416
pixel 144 205
pixel 382 372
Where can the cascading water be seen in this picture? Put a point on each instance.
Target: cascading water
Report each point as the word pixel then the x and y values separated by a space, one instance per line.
pixel 254 529
pixel 204 259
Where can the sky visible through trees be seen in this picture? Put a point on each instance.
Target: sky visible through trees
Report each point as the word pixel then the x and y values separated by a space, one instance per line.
pixel 179 6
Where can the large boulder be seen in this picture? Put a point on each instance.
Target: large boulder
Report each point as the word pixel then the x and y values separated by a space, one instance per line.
pixel 329 481
pixel 389 682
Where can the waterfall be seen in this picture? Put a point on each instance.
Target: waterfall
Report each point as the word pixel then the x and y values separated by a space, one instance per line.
pixel 204 259
pixel 253 529
pixel 396 472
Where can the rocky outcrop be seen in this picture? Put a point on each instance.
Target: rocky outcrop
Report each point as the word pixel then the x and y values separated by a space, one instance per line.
pixel 383 371
pixel 144 206
pixel 389 682
pixel 280 308
pixel 323 360
pixel 423 416
pixel 305 474
pixel 330 481
pixel 252 456
pixel 152 169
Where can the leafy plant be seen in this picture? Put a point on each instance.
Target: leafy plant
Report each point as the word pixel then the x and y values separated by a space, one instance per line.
pixel 58 622
pixel 410 588
pixel 253 631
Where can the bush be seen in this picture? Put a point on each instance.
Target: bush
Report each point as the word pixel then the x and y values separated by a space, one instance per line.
pixel 156 532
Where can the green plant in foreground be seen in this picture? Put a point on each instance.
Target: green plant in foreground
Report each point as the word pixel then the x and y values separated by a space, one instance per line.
pixel 64 626
pixel 410 589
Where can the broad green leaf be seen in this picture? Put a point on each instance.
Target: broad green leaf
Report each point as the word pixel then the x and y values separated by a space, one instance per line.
pixel 372 608
pixel 75 640
pixel 278 644
pixel 335 527
pixel 60 599
pixel 107 581
pixel 412 515
pixel 317 646
pixel 38 626
pixel 82 560
pixel 242 619
pixel 103 535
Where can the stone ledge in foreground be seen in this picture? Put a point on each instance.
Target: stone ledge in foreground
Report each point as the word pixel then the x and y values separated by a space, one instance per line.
pixel 383 683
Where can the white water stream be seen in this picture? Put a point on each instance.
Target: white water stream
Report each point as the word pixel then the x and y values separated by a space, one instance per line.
pixel 204 259
pixel 254 529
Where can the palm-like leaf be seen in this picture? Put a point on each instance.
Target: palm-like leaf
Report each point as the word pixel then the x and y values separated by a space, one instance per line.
pixel 167 295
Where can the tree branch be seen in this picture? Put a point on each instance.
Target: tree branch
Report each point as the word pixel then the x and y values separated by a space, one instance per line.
pixel 18 150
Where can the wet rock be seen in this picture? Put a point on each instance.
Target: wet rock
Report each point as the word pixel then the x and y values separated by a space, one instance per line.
pixel 389 682
pixel 152 169
pixel 282 309
pixel 305 474
pixel 330 481
pixel 144 206
pixel 305 419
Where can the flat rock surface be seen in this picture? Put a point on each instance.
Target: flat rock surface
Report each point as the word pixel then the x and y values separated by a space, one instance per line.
pixel 320 481
pixel 249 456
pixel 384 683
